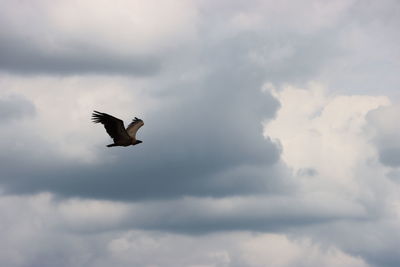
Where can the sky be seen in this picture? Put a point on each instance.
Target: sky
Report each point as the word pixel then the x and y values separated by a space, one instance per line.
pixel 271 133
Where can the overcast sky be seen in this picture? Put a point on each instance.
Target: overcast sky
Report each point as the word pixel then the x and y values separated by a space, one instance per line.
pixel 271 133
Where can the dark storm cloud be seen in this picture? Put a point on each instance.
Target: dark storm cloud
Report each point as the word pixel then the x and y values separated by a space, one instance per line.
pixel 204 141
pixel 65 39
pixel 26 57
pixel 15 107
pixel 206 138
pixel 208 141
pixel 264 214
pixel 209 215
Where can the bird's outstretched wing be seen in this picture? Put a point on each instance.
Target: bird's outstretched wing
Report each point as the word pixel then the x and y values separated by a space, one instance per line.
pixel 134 127
pixel 114 126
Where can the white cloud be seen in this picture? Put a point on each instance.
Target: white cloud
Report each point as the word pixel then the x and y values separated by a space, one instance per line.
pixel 326 140
pixel 324 132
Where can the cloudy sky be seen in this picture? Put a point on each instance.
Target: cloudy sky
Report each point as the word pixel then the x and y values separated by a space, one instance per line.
pixel 271 133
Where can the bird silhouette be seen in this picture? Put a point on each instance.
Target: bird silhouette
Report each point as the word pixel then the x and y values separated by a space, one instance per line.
pixel 116 129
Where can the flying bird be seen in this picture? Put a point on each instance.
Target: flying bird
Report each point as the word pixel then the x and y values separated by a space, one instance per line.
pixel 116 129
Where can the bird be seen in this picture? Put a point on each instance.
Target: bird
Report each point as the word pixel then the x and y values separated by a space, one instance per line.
pixel 116 129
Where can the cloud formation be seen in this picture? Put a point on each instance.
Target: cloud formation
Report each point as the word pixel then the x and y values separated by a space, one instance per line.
pixel 264 133
pixel 385 133
pixel 90 37
pixel 205 139
pixel 13 107
pixel 44 218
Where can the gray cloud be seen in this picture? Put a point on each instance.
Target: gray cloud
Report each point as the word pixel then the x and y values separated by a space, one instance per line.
pixel 43 221
pixel 78 38
pixel 384 130
pixel 15 107
pixel 210 142
pixel 27 58
pixel 204 138
pixel 394 175
pixel 390 156
pixel 307 172
pixel 259 213
pixel 374 240
pixel 207 137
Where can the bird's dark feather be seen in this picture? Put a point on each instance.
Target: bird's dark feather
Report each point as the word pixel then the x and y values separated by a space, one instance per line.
pixel 114 126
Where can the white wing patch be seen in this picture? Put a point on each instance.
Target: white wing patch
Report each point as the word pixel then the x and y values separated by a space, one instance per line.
pixel 134 127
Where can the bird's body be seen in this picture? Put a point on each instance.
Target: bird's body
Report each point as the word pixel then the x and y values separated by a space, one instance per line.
pixel 116 129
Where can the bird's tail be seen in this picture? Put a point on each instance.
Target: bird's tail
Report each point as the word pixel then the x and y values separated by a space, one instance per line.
pixel 110 145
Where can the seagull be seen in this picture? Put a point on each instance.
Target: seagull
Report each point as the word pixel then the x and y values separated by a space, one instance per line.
pixel 116 129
